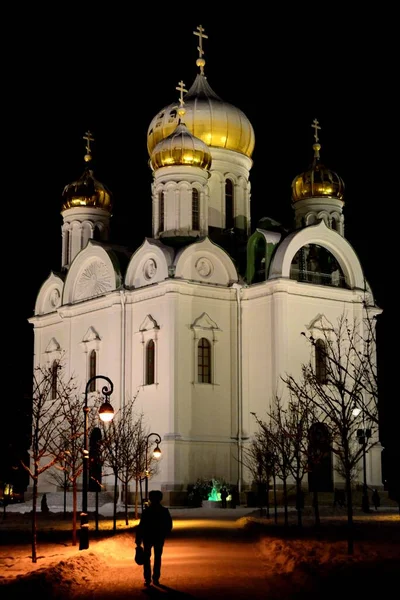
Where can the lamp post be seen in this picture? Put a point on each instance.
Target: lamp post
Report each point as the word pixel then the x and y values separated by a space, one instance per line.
pixel 106 413
pixel 363 435
pixel 156 454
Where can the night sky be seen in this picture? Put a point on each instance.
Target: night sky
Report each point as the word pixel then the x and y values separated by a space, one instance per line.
pixel 111 72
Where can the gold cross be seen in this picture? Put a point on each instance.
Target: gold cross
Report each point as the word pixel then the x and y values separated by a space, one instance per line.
pixel 201 35
pixel 316 126
pixel 181 89
pixel 89 138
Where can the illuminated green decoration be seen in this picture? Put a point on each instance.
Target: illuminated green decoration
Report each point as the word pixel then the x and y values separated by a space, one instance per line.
pixel 214 496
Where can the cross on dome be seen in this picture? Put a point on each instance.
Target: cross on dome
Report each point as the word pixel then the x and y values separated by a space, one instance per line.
pixel 200 62
pixel 315 125
pixel 89 138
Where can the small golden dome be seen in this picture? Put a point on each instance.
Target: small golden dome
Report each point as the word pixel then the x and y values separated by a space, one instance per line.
pixel 87 191
pixel 317 181
pixel 181 148
pixel 217 123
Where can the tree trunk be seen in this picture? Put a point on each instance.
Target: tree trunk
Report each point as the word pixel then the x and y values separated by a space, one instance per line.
pixel 275 502
pixel 115 501
pixel 34 520
pixel 285 501
pixel 350 524
pixel 74 511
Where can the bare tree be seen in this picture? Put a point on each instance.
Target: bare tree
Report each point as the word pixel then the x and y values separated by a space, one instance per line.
pixel 46 420
pixel 283 453
pixel 253 458
pixel 69 441
pixel 124 449
pixel 333 383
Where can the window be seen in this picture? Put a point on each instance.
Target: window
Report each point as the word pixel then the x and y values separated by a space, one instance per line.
pixel 92 370
pixel 54 371
pixel 334 225
pixel 195 209
pixel 320 361
pixel 204 361
pixel 150 362
pixel 229 221
pixel 161 209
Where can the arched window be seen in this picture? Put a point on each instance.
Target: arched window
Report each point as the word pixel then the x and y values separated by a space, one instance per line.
pixel 92 370
pixel 97 234
pixel 54 372
pixel 204 361
pixel 334 224
pixel 195 209
pixel 229 220
pixel 150 362
pixel 320 361
pixel 161 209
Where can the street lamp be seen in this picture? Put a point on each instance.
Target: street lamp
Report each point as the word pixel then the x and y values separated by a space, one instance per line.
pixel 106 413
pixel 156 454
pixel 363 435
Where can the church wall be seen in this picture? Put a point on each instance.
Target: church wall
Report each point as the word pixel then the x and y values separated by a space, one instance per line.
pixel 273 345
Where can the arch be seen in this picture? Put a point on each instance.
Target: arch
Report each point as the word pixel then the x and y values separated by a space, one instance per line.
pixel 150 359
pixel 229 204
pixel 318 234
pixel 95 271
pixel 204 361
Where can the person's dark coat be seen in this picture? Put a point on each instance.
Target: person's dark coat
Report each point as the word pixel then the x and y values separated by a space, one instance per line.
pixel 155 524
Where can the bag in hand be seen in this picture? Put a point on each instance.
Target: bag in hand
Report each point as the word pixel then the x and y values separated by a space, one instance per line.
pixel 139 555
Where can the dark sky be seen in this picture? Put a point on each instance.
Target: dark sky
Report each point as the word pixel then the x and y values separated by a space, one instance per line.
pixel 112 72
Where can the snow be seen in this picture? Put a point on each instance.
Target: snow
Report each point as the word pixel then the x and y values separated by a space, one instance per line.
pixel 291 561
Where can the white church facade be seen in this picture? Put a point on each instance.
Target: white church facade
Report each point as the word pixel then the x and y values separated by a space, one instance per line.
pixel 205 317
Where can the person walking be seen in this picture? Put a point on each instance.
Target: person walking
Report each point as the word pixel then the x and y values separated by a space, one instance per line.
pixel 224 495
pixel 376 499
pixel 154 526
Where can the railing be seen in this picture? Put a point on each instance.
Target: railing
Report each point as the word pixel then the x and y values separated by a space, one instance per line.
pixel 332 279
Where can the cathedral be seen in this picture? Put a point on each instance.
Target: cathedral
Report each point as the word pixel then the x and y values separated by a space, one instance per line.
pixel 202 320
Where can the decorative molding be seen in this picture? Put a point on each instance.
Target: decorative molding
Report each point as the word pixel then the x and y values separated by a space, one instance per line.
pixel 91 335
pixel 149 323
pixel 94 280
pixel 53 346
pixel 204 322
pixel 321 323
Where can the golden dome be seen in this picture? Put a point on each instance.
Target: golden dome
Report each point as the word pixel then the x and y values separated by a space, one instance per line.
pixel 181 148
pixel 217 123
pixel 87 191
pixel 317 181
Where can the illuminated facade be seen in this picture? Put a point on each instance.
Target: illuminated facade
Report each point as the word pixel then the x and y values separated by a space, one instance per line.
pixel 205 317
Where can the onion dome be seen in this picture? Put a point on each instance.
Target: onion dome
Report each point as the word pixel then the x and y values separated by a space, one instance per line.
pixel 181 148
pixel 318 181
pixel 87 190
pixel 215 122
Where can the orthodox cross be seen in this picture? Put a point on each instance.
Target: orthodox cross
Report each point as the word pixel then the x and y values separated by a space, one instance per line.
pixel 316 126
pixel 89 138
pixel 181 89
pixel 201 35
